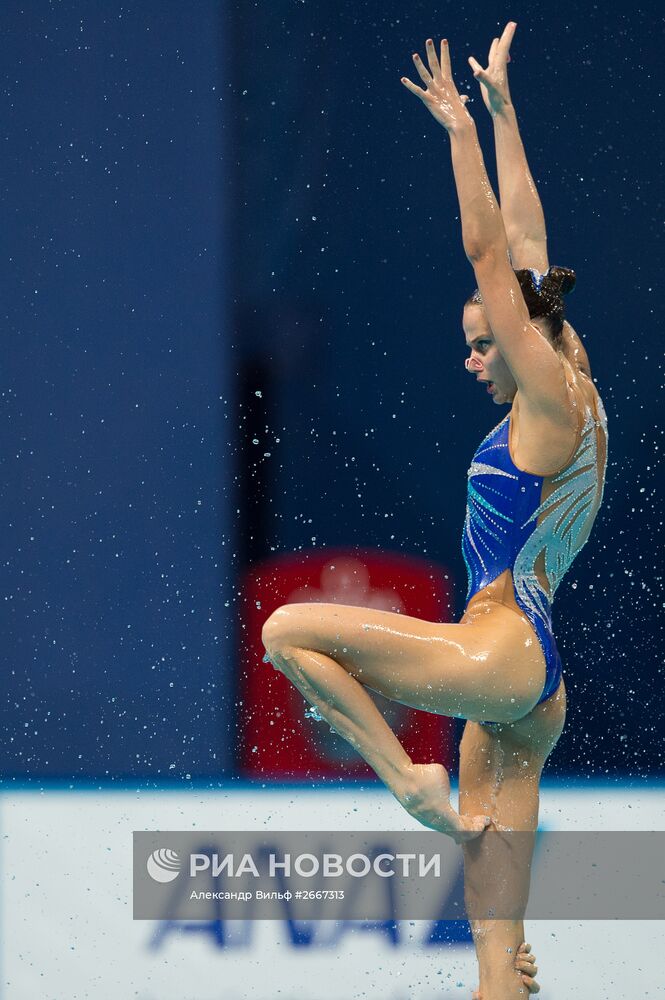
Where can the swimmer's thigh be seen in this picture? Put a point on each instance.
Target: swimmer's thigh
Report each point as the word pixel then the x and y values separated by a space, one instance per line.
pixel 500 770
pixel 501 766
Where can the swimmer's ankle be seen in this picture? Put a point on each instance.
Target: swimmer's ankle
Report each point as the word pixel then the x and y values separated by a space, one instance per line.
pixel 406 782
pixel 503 987
pixel 497 943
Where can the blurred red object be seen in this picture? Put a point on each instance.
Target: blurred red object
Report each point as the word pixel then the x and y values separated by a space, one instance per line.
pixel 277 741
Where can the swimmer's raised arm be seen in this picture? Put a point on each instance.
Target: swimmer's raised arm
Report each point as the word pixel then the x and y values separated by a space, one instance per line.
pixel 530 357
pixel 482 224
pixel 522 211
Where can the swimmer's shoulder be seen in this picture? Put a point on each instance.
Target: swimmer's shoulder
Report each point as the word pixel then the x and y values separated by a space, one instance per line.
pixel 580 379
pixel 574 351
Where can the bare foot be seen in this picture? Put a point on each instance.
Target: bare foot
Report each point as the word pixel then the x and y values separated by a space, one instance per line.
pixel 525 964
pixel 428 801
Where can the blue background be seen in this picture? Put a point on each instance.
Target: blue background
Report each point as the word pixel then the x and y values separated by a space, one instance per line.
pixel 115 391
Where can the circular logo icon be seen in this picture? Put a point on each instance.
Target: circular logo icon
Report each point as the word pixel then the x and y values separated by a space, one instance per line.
pixel 163 865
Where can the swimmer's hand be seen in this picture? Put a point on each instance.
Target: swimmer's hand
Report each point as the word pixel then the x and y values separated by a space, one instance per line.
pixel 525 964
pixel 427 799
pixel 441 97
pixel 494 80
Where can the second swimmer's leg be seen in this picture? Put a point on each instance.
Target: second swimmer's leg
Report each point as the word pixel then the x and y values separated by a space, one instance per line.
pixel 500 769
pixel 496 873
pixel 345 704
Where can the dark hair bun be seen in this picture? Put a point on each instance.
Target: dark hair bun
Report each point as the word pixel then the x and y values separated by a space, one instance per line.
pixel 543 294
pixel 564 278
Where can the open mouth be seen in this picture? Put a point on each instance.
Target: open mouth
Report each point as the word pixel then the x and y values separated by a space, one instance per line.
pixel 490 387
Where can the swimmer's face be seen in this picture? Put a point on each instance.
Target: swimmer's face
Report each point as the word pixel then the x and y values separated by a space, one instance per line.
pixel 485 361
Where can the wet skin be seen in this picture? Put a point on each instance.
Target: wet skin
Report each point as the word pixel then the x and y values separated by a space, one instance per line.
pixel 485 361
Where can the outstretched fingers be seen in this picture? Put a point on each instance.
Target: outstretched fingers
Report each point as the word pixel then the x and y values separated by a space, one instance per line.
pixel 499 52
pixel 503 47
pixel 424 75
pixel 440 96
pixel 418 91
pixel 478 71
pixel 434 66
pixel 438 70
pixel 446 68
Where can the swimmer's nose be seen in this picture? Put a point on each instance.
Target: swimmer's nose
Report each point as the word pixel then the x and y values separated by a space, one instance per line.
pixel 473 364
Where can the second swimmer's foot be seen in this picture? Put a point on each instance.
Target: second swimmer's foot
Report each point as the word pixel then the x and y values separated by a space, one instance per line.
pixel 428 800
pixel 525 964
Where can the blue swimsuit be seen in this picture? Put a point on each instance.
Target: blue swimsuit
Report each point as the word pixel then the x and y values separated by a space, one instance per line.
pixel 509 525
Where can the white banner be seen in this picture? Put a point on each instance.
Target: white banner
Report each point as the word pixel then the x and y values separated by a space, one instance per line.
pixel 66 925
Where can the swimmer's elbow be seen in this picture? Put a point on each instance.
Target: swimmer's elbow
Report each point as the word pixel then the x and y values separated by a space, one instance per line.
pixel 478 253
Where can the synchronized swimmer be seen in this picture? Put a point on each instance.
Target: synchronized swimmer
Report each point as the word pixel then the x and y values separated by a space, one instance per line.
pixel 535 485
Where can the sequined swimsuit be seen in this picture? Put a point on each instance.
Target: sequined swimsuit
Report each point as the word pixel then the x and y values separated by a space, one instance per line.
pixel 513 523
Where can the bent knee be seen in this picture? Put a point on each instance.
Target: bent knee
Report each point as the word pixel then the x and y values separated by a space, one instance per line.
pixel 275 628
